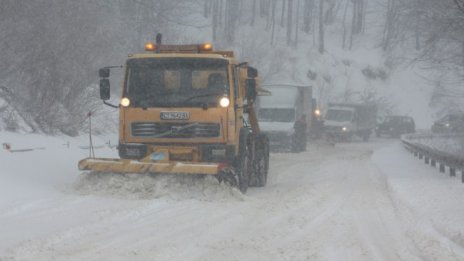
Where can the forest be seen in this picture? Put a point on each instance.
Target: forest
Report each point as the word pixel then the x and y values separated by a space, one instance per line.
pixel 52 49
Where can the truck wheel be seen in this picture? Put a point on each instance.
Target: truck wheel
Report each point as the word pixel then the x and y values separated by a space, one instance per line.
pixel 330 138
pixel 365 136
pixel 294 147
pixel 261 165
pixel 244 169
pixel 244 164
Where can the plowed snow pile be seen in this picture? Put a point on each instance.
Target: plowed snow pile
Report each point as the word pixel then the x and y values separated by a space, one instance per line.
pixel 146 186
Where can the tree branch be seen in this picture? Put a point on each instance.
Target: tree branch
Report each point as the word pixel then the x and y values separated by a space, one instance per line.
pixel 460 5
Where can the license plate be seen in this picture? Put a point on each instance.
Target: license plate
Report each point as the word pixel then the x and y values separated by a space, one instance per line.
pixel 174 115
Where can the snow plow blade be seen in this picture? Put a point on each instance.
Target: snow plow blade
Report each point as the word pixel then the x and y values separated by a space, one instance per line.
pixel 134 166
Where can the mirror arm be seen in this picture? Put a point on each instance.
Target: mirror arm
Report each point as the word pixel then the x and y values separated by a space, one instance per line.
pixel 113 66
pixel 111 105
pixel 242 64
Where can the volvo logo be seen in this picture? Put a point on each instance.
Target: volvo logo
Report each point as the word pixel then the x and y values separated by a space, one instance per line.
pixel 176 129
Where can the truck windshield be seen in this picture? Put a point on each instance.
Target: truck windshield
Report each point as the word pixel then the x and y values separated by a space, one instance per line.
pixel 176 82
pixel 339 115
pixel 276 114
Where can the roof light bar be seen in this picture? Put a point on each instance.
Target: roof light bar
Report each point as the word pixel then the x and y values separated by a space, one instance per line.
pixel 192 48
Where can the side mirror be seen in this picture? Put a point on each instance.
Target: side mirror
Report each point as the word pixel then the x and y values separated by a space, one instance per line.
pixel 104 72
pixel 251 89
pixel 252 72
pixel 104 89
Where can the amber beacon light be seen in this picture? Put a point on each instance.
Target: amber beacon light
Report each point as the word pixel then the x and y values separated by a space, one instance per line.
pixel 206 47
pixel 149 46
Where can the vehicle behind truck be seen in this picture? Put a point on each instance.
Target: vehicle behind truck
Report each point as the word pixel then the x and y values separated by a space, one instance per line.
pixel 343 121
pixel 278 112
pixel 183 111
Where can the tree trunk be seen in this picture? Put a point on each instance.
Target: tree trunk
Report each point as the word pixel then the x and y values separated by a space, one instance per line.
pixel 389 24
pixel 307 15
pixel 253 13
pixel 321 26
pixel 282 23
pixel 344 24
pixel 232 17
pixel 462 54
pixel 215 19
pixel 289 21
pixel 274 3
pixel 354 20
pixel 297 22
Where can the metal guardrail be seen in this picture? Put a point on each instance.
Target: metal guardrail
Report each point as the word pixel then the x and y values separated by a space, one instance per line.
pixel 453 161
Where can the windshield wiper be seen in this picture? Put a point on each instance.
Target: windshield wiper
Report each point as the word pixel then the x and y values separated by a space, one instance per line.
pixel 154 95
pixel 209 94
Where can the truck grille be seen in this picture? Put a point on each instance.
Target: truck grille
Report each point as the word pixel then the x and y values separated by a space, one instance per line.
pixel 175 130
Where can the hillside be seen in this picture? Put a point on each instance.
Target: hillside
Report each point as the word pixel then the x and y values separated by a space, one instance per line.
pixel 54 85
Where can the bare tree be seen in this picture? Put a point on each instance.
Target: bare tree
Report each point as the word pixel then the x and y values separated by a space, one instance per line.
pixel 274 3
pixel 289 21
pixel 321 26
pixel 307 15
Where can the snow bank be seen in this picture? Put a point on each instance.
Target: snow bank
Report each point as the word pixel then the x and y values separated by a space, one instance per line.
pixel 432 199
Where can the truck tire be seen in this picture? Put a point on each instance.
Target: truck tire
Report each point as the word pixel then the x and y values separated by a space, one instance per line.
pixel 294 146
pixel 244 163
pixel 365 135
pixel 261 163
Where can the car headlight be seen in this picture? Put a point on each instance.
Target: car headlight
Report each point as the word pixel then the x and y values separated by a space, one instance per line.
pixel 344 128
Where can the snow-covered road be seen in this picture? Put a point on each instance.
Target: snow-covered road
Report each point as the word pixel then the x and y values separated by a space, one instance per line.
pixel 358 201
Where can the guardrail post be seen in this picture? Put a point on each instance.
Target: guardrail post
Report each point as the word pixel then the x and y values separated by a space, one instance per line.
pixel 421 156
pixel 433 163
pixel 426 160
pixel 452 172
pixel 442 167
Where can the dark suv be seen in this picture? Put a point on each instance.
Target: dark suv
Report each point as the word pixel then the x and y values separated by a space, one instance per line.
pixel 395 126
pixel 450 123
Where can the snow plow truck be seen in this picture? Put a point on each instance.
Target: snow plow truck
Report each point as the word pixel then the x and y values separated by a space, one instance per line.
pixel 187 109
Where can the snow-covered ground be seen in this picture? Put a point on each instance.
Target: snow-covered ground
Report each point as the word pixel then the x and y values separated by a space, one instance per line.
pixel 357 201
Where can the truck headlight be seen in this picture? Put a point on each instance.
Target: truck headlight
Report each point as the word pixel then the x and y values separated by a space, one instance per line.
pixel 224 102
pixel 125 102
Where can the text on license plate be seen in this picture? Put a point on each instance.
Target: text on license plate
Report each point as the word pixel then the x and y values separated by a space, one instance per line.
pixel 174 115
